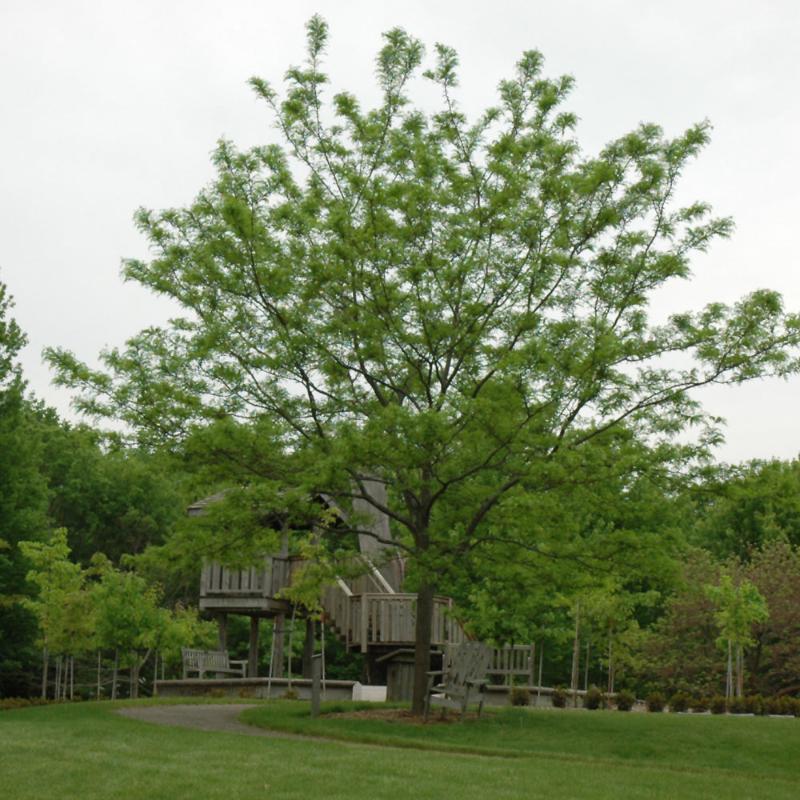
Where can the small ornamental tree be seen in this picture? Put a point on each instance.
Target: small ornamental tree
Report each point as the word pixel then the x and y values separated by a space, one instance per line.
pixel 61 604
pixel 129 620
pixel 739 607
pixel 458 308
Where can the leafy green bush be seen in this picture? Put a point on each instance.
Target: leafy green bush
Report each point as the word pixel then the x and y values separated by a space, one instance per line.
pixel 785 706
pixel 594 699
pixel 519 696
pixel 625 700
pixel 718 704
pixel 738 705
pixel 679 702
pixel 10 703
pixel 699 705
pixel 559 697
pixel 754 703
pixel 655 702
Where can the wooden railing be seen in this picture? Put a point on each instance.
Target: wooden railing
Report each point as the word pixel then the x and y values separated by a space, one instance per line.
pixel 514 661
pixel 265 581
pixel 369 619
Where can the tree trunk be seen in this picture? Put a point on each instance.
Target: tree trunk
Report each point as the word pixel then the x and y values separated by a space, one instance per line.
pixel 115 675
pixel 610 665
pixel 422 649
pixel 586 669
pixel 99 664
pixel 308 648
pixel 252 653
pixel 155 674
pixel 133 678
pixel 277 646
pixel 576 656
pixel 729 673
pixel 45 668
pixel 739 671
pixel 57 687
pixel 72 677
pixel 541 667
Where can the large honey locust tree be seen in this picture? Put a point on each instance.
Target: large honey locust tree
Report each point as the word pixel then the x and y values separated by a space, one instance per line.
pixel 457 307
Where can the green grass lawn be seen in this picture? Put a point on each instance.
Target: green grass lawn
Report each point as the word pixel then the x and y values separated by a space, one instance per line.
pixel 86 751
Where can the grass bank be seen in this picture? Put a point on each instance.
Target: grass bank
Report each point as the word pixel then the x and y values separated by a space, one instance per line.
pixel 87 751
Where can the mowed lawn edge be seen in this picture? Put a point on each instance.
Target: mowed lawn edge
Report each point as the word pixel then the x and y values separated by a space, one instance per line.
pixel 87 751
pixel 731 745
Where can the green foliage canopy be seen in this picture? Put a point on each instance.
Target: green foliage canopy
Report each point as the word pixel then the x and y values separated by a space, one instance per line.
pixel 459 307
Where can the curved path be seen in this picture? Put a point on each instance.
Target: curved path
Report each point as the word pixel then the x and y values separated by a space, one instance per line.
pixel 204 718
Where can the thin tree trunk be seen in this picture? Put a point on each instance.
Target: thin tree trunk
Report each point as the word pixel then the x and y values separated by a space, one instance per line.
pixel 45 669
pixel 155 674
pixel 422 650
pixel 739 671
pixel 610 689
pixel 729 673
pixel 57 688
pixel 541 666
pixel 252 651
pixel 586 670
pixel 115 675
pixel 277 653
pixel 72 677
pixel 576 655
pixel 99 665
pixel 133 677
pixel 308 647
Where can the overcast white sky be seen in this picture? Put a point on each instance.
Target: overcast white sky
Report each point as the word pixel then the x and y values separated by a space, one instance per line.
pixel 110 105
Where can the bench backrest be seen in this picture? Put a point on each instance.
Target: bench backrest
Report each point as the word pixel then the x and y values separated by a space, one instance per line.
pixel 468 661
pixel 205 659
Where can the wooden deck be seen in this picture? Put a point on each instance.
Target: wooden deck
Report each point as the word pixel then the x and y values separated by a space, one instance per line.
pixel 251 590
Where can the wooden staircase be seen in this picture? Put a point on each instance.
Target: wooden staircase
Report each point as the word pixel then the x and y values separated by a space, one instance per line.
pixel 367 620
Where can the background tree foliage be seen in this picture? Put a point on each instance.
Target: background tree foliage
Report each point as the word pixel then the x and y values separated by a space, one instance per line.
pixel 458 307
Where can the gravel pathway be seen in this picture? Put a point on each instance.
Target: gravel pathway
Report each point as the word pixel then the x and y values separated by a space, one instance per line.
pixel 203 718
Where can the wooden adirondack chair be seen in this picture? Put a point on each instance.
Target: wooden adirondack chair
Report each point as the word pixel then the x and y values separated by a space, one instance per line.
pixel 462 681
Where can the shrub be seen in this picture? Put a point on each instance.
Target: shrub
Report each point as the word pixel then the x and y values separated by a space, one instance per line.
pixel 655 702
pixel 718 704
pixel 625 700
pixel 700 705
pixel 10 703
pixel 291 694
pixel 737 705
pixel 679 702
pixel 783 706
pixel 754 703
pixel 559 697
pixel 594 699
pixel 519 696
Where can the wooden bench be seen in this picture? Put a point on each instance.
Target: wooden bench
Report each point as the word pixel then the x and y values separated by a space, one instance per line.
pixel 462 681
pixel 217 661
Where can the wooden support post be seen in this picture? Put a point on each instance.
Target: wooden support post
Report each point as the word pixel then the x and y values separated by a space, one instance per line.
pixel 222 631
pixel 252 655
pixel 316 680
